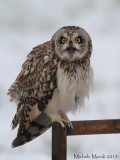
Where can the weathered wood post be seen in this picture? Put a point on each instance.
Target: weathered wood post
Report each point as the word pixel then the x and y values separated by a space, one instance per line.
pixel 59 135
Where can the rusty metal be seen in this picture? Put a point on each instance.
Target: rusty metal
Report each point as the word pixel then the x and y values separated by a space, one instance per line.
pixel 95 127
pixel 59 142
pixel 59 135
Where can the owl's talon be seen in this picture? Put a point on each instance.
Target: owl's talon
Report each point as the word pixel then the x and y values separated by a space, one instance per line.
pixel 66 120
pixel 57 118
pixel 70 125
pixel 62 124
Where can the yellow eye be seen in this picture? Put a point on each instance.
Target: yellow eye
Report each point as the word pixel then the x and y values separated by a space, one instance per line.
pixel 63 40
pixel 77 40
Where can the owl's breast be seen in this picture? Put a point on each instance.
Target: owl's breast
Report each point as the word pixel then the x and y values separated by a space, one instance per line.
pixel 73 88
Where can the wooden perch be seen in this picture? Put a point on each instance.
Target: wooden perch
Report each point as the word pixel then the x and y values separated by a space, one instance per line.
pixel 59 135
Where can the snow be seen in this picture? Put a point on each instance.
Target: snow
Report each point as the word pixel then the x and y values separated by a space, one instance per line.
pixel 25 24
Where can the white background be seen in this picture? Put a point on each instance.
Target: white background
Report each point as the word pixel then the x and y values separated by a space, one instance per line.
pixel 25 24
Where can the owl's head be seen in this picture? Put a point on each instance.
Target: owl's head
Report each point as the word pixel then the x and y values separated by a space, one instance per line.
pixel 72 43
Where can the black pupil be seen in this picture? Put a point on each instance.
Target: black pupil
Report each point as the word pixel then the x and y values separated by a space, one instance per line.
pixel 62 39
pixel 81 39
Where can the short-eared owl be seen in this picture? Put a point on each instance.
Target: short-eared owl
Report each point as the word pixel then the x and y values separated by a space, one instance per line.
pixel 55 79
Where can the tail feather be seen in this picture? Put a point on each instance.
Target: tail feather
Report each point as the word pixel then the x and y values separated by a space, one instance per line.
pixel 17 116
pixel 36 128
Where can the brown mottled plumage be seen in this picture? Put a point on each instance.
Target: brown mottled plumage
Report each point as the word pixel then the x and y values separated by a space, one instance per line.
pixel 51 71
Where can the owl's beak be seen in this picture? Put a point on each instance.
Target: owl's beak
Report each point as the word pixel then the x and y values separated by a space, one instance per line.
pixel 70 44
pixel 71 50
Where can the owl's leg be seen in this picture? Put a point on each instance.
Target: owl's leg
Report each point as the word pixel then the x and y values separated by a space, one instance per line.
pixel 58 118
pixel 64 116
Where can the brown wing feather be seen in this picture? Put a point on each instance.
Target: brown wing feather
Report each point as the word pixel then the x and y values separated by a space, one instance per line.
pixel 36 71
pixel 34 86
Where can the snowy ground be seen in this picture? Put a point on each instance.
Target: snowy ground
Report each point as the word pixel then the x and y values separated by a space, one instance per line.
pixel 23 25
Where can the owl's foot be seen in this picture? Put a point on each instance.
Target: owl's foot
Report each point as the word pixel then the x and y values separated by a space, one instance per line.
pixel 57 118
pixel 64 116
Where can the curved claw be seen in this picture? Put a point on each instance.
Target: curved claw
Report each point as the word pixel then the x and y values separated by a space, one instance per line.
pixel 57 118
pixel 66 120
